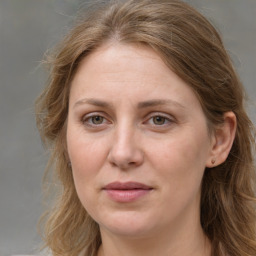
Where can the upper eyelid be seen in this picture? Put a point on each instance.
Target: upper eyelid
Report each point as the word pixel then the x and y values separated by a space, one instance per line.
pixel 162 114
pixel 96 113
pixel 87 121
pixel 147 116
pixel 168 120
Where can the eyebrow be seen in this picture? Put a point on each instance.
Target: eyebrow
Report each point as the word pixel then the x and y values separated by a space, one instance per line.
pixel 95 102
pixel 159 102
pixel 143 104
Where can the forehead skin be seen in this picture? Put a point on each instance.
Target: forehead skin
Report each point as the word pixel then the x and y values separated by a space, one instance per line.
pixel 111 63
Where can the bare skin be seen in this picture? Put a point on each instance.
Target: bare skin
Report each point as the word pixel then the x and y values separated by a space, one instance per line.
pixel 139 143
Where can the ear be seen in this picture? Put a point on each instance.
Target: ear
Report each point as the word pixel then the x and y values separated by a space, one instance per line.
pixel 222 140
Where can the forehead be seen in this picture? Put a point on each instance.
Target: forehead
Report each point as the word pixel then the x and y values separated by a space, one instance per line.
pixel 120 57
pixel 128 71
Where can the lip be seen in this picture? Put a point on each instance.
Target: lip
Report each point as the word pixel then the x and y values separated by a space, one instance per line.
pixel 124 192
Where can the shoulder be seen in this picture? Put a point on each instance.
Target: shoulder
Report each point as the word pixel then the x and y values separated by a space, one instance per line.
pixel 39 254
pixel 48 254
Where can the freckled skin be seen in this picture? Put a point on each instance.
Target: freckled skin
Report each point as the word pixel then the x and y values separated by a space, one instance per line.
pixel 128 145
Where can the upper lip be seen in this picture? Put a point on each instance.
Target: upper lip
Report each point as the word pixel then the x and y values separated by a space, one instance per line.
pixel 126 186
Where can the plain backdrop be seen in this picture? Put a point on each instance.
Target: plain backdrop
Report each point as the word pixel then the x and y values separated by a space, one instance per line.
pixel 27 29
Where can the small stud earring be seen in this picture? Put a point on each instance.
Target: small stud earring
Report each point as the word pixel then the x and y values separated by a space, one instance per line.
pixel 213 161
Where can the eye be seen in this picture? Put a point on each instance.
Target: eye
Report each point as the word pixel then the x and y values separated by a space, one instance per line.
pixel 94 120
pixel 159 120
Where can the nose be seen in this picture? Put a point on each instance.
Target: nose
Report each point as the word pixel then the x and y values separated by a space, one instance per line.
pixel 125 151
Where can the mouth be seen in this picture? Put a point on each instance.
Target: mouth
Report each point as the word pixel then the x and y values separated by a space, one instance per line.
pixel 126 192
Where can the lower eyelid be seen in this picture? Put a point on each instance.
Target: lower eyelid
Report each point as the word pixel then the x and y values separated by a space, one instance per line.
pixel 168 119
pixel 87 121
pixel 90 118
pixel 166 122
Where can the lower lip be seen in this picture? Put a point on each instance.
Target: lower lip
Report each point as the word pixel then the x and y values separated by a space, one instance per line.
pixel 125 196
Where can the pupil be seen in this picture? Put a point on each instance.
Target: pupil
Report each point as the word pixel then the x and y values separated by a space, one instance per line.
pixel 97 120
pixel 159 120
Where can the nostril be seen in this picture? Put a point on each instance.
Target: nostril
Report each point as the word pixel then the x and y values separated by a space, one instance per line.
pixel 123 164
pixel 125 154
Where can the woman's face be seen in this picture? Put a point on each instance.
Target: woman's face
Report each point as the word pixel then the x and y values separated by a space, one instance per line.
pixel 138 142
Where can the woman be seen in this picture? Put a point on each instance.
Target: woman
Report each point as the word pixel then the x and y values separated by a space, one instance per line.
pixel 150 140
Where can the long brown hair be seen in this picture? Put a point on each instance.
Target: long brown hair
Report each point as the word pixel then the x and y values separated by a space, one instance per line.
pixel 192 48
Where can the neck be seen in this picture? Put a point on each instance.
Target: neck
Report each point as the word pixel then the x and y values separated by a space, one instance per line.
pixel 188 242
pixel 183 236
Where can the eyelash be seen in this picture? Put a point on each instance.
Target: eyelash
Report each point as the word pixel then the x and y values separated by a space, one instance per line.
pixel 88 120
pixel 166 120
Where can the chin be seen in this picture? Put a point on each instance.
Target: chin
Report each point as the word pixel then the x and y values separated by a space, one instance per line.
pixel 128 225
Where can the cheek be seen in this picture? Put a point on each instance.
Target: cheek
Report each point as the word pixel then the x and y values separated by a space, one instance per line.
pixel 86 155
pixel 181 160
pixel 180 152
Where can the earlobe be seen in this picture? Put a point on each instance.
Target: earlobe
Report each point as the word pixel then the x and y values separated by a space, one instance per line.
pixel 222 142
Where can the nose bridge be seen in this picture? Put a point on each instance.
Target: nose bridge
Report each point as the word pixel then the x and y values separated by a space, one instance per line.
pixel 124 136
pixel 125 151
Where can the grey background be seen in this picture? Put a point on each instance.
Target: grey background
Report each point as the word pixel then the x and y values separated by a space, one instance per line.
pixel 27 29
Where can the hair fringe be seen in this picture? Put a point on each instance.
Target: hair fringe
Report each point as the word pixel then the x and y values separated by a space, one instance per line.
pixel 193 49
